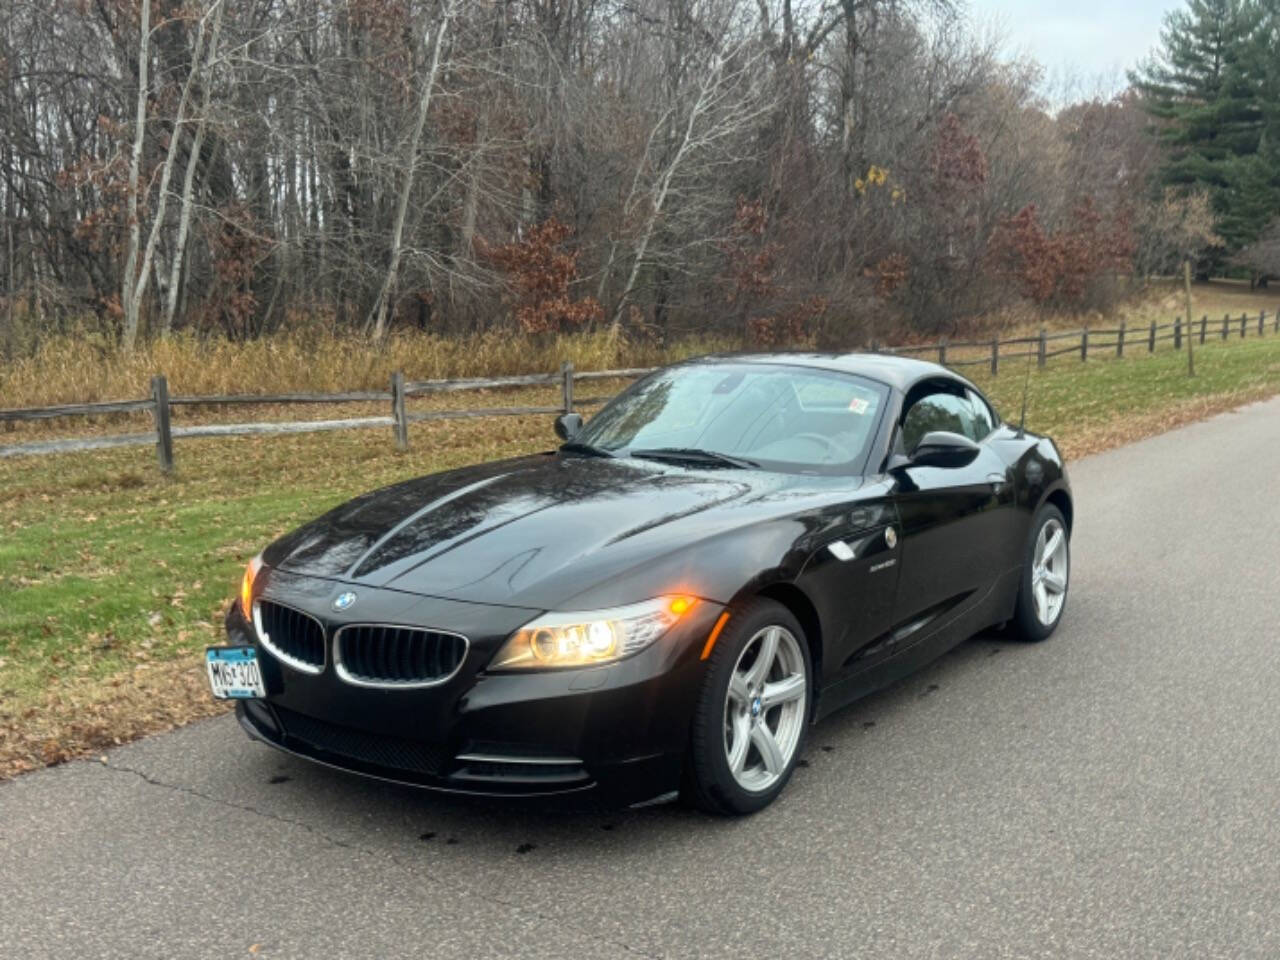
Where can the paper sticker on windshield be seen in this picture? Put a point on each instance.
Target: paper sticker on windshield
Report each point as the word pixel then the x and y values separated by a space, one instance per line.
pixel 858 405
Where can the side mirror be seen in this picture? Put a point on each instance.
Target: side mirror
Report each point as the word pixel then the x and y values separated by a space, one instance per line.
pixel 568 425
pixel 942 448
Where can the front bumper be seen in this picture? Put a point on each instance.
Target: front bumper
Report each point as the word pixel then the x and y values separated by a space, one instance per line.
pixel 617 732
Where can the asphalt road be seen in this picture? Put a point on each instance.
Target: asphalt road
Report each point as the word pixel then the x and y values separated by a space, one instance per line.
pixel 1112 793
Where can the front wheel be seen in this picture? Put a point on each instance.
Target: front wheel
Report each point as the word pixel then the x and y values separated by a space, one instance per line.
pixel 753 712
pixel 1046 570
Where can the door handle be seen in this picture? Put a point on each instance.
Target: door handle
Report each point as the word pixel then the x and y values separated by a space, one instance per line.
pixel 997 480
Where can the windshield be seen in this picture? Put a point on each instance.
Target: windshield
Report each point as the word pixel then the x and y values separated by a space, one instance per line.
pixel 781 417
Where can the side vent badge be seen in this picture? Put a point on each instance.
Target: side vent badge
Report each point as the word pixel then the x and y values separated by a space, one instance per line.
pixel 890 537
pixel 841 550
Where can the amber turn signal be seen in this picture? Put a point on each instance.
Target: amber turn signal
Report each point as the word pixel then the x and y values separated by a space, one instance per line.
pixel 246 587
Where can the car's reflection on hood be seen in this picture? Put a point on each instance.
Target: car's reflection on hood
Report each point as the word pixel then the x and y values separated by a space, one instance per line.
pixel 497 532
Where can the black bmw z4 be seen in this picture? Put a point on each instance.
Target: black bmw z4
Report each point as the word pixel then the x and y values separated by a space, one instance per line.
pixel 731 549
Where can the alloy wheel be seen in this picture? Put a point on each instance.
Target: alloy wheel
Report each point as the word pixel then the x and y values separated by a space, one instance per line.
pixel 765 708
pixel 1049 569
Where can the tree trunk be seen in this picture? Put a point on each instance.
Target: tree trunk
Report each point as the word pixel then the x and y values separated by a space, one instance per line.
pixel 383 303
pixel 166 174
pixel 188 180
pixel 657 198
pixel 128 303
pixel 11 329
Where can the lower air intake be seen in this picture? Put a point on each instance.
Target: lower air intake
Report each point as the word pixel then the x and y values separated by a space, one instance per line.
pixel 387 753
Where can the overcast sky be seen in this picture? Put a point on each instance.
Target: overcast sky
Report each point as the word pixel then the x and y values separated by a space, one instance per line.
pixel 1091 41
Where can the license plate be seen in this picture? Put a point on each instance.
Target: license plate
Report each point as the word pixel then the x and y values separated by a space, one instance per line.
pixel 234 673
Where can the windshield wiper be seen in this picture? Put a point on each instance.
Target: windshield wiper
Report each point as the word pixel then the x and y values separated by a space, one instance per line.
pixel 578 446
pixel 692 455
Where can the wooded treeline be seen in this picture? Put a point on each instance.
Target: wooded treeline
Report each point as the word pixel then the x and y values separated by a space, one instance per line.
pixel 775 168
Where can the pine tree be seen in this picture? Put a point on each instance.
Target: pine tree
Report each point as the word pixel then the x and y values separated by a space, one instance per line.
pixel 1251 199
pixel 1205 90
pixel 1265 52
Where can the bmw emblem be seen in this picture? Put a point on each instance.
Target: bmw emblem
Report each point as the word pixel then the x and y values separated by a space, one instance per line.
pixel 343 601
pixel 755 707
pixel 890 537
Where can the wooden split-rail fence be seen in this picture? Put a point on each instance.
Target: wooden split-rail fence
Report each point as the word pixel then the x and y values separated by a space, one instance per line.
pixel 989 353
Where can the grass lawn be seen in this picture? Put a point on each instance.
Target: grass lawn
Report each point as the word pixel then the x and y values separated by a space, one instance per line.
pixel 112 577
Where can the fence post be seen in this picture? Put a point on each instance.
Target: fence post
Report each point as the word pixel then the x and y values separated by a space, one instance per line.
pixel 1040 350
pixel 164 435
pixel 1084 344
pixel 1151 338
pixel 398 412
pixel 566 385
pixel 1262 319
pixel 1276 327
pixel 1204 325
pixel 942 352
pixel 1177 333
pixel 995 355
pixel 1244 322
pixel 1226 319
pixel 1120 341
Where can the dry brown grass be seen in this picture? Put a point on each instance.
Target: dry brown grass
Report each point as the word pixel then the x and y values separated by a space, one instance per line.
pixel 83 369
pixel 87 368
pixel 81 717
pixel 1161 301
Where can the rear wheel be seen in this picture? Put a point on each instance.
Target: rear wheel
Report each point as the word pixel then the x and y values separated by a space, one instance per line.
pixel 753 712
pixel 1046 570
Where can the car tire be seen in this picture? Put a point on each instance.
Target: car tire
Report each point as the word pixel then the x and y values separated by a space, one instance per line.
pixel 726 771
pixel 1042 591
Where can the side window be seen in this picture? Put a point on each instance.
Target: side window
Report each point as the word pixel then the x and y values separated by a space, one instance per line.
pixel 936 411
pixel 984 421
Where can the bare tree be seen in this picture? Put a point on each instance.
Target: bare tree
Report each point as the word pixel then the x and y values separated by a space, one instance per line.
pixel 1262 257
pixel 128 294
pixel 193 162
pixel 238 165
pixel 706 119
pixel 410 170
pixel 201 62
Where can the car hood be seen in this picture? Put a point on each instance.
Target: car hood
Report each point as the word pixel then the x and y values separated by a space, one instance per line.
pixel 530 532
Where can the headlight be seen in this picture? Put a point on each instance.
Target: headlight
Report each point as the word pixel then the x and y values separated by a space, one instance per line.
pixel 246 587
pixel 557 640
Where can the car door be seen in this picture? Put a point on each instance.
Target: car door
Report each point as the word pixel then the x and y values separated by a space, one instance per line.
pixel 852 577
pixel 952 517
pixel 1010 524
